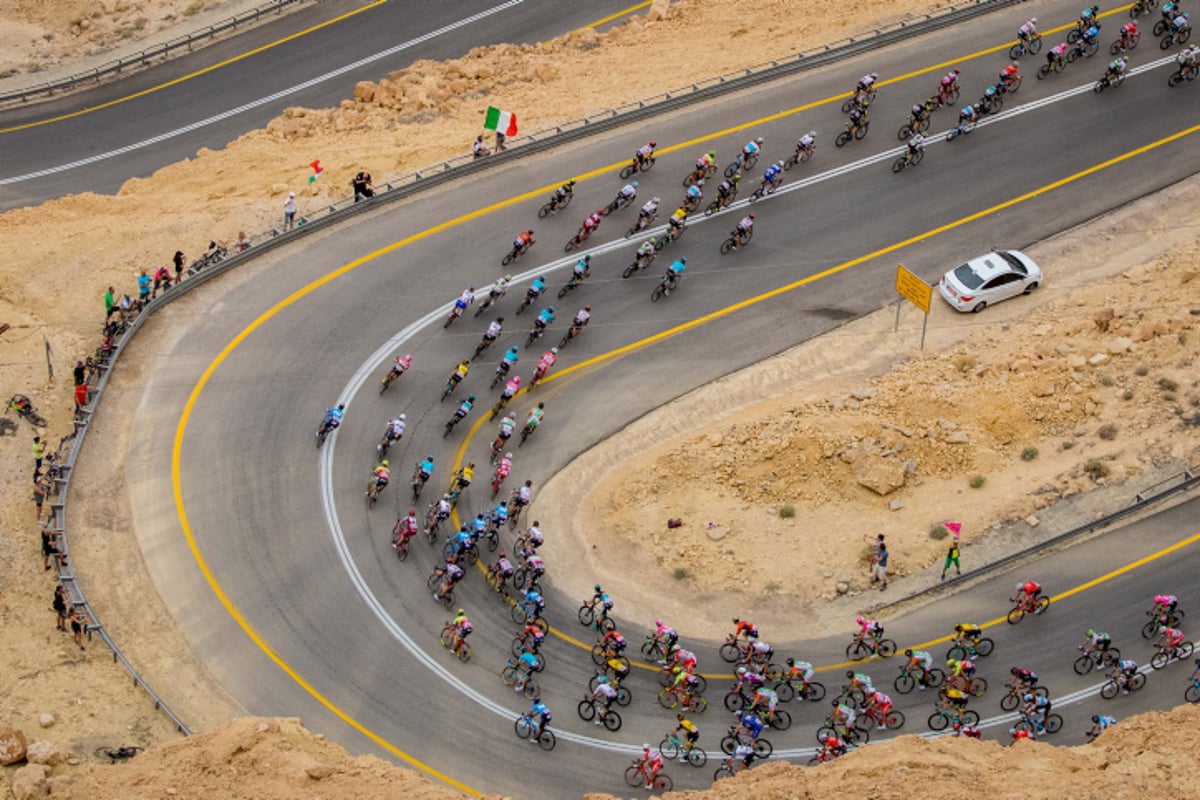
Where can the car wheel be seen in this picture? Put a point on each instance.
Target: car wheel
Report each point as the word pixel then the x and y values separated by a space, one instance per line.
pixel 979 308
pixel 1031 287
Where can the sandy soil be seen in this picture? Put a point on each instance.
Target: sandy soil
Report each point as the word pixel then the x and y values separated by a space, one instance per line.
pixel 92 698
pixel 46 40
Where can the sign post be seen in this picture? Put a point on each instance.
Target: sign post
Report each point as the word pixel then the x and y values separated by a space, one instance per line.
pixel 916 291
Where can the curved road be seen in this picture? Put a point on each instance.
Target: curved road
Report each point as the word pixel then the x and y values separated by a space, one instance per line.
pixel 135 126
pixel 344 636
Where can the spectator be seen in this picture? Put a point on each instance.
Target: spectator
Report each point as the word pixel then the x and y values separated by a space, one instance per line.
pixel 143 284
pixel 81 397
pixel 289 211
pixel 478 149
pixel 243 242
pixel 876 545
pixel 78 625
pixel 879 572
pixel 110 303
pixel 80 372
pixel 952 553
pixel 179 259
pixel 39 450
pixel 499 142
pixel 362 185
pixel 162 279
pixel 126 307
pixel 50 547
pixel 41 488
pixel 60 607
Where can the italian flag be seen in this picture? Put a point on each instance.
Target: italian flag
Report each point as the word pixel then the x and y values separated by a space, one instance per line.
pixel 501 121
pixel 317 170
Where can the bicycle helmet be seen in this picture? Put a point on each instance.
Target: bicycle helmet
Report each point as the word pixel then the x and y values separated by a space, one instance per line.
pixel 759 140
pixel 596 587
pixel 859 620
pixel 341 406
pixel 1020 586
pixel 1016 64
pixel 736 620
pixel 383 463
pixel 402 417
pixel 502 554
pixel 850 674
pixel 1014 670
pixel 653 143
pixel 555 351
pixel 751 215
pixel 950 662
pixel 471 398
pixel 461 612
pixel 812 133
pixel 517 380
pixel 588 257
pixel 874 74
pixel 470 288
pixel 1095 717
pixel 587 308
pixel 1028 698
pixel 550 309
pixel 657 623
pixel 1031 19
pixel 646 747
pixel 1088 633
pixel 779 164
pixel 601 679
pixel 634 184
pixel 791 662
pixel 908 652
pixel 712 153
pixel 508 455
pixel 683 260
pixel 655 201
pixel 741 670
pixel 1095 9
pixel 541 278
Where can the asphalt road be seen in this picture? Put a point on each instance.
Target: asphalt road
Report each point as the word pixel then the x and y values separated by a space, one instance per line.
pixel 326 595
pixel 172 124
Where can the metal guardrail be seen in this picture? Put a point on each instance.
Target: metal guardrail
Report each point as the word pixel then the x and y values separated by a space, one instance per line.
pixel 412 183
pixel 142 58
pixel 1187 479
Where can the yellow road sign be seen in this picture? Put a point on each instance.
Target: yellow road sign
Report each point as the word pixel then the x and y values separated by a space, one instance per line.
pixel 913 289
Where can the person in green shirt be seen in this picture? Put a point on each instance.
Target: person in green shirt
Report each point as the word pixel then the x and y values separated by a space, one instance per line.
pixel 110 303
pixel 952 558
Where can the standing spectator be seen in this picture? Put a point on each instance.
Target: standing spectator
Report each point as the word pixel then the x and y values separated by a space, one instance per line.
pixel 162 280
pixel 41 488
pixel 362 185
pixel 499 142
pixel 60 607
pixel 952 553
pixel 81 397
pixel 880 569
pixel 289 211
pixel 110 303
pixel 126 307
pixel 143 284
pixel 876 545
pixel 80 372
pixel 78 625
pixel 243 242
pixel 50 547
pixel 39 450
pixel 178 258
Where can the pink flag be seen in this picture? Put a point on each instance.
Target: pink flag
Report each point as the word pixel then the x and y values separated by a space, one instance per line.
pixel 954 527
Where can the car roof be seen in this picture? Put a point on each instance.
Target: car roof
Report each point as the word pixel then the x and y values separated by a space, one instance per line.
pixel 990 265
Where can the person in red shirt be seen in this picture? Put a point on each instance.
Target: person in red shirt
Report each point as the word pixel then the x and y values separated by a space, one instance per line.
pixel 81 396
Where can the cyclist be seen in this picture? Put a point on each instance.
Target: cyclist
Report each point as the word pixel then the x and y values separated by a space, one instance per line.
pixel 1087 17
pixel 521 496
pixel 966 730
pixel 491 334
pixel 1095 640
pixel 743 230
pixel 1090 36
pixel 878 705
pixel 507 425
pixel 1122 672
pixel 1020 733
pixel 967 631
pixel 534 569
pixel 962 670
pixel 465 299
pixel 664 636
pixel 690 733
pixel 1179 25
pixel 424 469
pixel 919 659
pixel 727 188
pixel 747 678
pixel 536 414
pixel 441 512
pixel 831 748
pixel 915 145
pixel 801 671
pixel 861 681
pixel 503 467
pixel 333 416
pixel 1026 32
pixel 590 223
pixel 463 409
pixel 461 480
pixel 510 389
pixel 650 763
pixel 580 320
pixel 841 719
pixel 1188 57
pixel 953 698
pixel 684 660
pixel 540 714
pixel 645 252
pixel 401 365
pixel 1116 69
pixel 582 269
pixel 643 153
pixel 693 196
pixel 759 654
pixel 751 725
pixel 919 113
pixel 460 541
pixel 523 241
pixel 866 85
pixel 1165 604
pixel 451 574
pixel 459 373
pixel 858 117
pixel 606 694
pixel 531 538
pixel 501 571
pixel 648 212
pixel 1036 709
pixel 947 85
pixel 406 528
pixel 527 664
pixel 531 638
pixel 381 475
pixel 544 318
pixel 462 629
pixel 1128 31
pixel 1169 639
pixel 1027 595
pixel 1099 723
pixel 675 273
pixel 677 222
pixel 534 602
pixel 1056 56
pixel 744 628
pixel 544 364
pixel 562 193
pixel 498 516
pixel 627 194
pixel 868 627
pixel 535 289
pixel 806 144
pixel 1010 74
pixel 1023 679
pixel 395 430
pixel 773 177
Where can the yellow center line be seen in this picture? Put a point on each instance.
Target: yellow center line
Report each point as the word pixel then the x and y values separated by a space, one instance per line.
pixel 189 406
pixel 211 68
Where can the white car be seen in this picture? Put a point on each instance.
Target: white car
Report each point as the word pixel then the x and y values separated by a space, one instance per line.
pixel 988 279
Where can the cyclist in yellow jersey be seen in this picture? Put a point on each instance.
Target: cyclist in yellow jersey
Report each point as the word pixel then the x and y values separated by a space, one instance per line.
pixel 691 734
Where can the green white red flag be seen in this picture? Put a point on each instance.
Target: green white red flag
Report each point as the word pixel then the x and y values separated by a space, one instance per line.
pixel 317 170
pixel 501 121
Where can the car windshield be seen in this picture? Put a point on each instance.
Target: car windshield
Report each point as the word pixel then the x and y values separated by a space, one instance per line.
pixel 1013 262
pixel 967 277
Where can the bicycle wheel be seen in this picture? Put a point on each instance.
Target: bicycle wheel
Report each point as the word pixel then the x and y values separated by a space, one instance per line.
pixel 1042 605
pixel 464 655
pixel 899 164
pixel 763 748
pixel 1100 85
pixel 904 683
pixel 1109 690
pixel 657 294
pixel 1083 665
pixel 519 615
pixel 633 776
pixel 586 614
pixel 861 130
pixel 669 747
pixel 1024 725
pixel 598 656
pixel 545 210
pixel 857 651
pixel 735 701
pixel 697 703
pixel 586 710
pixel 785 691
pixel 938 721
pixel 624 696
pixel 781 720
pixel 856 737
pixel 984 647
pixel 956 653
pixel 522 727
pixel 1054 723
pixel 547 739
pixel 970 717
pixel 977 687
pixel 1035 47
pixel 1137 681
pixel 697 757
pixel 1016 615
pixel 936 678
pixel 663 783
pixel 628 171
pixel 847 105
pixel 612 721
pixel 1074 36
pixel 887 648
pixel 1151 628
pixel 1043 71
pixel 1010 702
pixel 726 246
pixel 1016 51
pixel 509 675
pixel 895 720
pixel 667 698
pixel 842 139
pixel 1192 694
